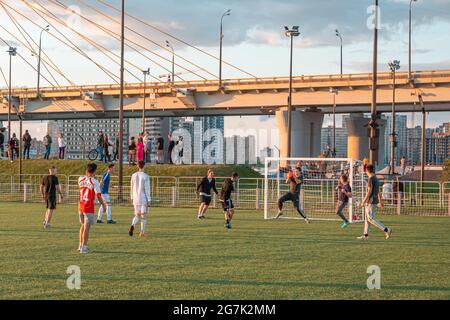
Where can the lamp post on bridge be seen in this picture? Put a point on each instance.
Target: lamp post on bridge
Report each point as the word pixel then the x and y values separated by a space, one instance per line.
pixel 227 13
pixel 410 40
pixel 46 29
pixel 373 145
pixel 393 66
pixel 145 73
pixel 168 45
pixel 12 53
pixel 338 34
pixel 335 92
pixel 291 33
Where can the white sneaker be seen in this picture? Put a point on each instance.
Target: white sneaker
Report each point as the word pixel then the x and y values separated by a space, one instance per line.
pixel 85 250
pixel 388 234
pixel 363 237
pixel 307 221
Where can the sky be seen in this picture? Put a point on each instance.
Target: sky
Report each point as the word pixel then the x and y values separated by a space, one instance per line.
pixel 254 39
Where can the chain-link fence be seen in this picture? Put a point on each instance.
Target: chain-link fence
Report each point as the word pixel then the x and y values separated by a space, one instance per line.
pixel 400 198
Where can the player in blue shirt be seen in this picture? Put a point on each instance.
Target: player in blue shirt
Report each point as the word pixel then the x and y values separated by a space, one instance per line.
pixel 104 185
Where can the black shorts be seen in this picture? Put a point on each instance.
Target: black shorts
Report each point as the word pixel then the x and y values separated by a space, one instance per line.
pixel 51 203
pixel 227 204
pixel 294 197
pixel 206 200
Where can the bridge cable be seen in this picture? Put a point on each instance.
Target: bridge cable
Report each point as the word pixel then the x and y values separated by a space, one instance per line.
pixel 117 37
pixel 101 48
pixel 74 48
pixel 22 30
pixel 176 38
pixel 81 51
pixel 152 41
pixel 21 57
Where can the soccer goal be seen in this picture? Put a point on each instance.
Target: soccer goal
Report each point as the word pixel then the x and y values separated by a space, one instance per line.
pixel 319 190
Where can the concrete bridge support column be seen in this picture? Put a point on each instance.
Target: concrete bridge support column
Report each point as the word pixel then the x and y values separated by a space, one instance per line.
pixel 358 139
pixel 306 132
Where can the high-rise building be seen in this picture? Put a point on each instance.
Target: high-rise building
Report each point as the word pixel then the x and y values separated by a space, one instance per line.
pixel 81 135
pixel 414 145
pixel 208 149
pixel 401 130
pixel 341 140
pixel 240 150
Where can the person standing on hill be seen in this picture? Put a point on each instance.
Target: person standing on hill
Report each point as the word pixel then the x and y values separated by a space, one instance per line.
pixel 26 139
pixel 62 147
pixel 160 150
pixel 48 146
pixel 13 147
pixel 171 147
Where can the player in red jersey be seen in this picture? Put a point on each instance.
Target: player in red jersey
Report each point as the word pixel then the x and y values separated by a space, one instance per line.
pixel 89 190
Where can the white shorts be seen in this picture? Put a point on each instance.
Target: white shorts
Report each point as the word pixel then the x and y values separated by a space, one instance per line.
pixel 106 198
pixel 139 209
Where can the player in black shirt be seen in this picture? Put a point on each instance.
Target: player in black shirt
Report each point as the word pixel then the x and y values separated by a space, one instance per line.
pixel 49 187
pixel 225 198
pixel 295 180
pixel 207 184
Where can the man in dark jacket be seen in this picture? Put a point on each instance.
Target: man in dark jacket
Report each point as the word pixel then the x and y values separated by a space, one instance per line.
pixel 26 139
pixel 207 184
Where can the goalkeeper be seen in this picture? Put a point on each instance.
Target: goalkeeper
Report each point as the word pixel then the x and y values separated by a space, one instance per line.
pixel 295 181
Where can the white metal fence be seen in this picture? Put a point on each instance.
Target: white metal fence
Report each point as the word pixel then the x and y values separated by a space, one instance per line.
pixel 179 192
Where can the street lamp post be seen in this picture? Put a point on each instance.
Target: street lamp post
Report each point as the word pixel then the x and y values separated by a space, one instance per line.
pixel 393 66
pixel 338 34
pixel 12 52
pixel 291 33
pixel 335 92
pixel 373 109
pixel 410 40
pixel 47 28
pixel 227 13
pixel 168 45
pixel 121 100
pixel 146 73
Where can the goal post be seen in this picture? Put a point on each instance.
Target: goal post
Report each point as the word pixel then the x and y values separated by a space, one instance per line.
pixel 319 190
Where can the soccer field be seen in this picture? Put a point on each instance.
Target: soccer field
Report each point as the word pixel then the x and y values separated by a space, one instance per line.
pixel 189 259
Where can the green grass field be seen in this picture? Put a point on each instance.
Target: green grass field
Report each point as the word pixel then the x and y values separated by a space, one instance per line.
pixel 187 259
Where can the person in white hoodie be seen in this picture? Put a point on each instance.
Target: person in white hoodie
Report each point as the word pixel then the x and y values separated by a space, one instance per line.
pixel 140 196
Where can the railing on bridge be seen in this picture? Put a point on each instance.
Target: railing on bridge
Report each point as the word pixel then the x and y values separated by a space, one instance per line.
pixel 180 193
pixel 418 75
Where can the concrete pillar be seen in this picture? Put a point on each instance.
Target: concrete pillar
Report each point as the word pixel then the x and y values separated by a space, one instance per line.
pixel 306 132
pixel 358 139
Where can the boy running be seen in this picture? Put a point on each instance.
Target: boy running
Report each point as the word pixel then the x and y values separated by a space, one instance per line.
pixel 344 194
pixel 89 190
pixel 140 196
pixel 204 190
pixel 49 187
pixel 104 185
pixel 295 181
pixel 225 198
pixel 370 205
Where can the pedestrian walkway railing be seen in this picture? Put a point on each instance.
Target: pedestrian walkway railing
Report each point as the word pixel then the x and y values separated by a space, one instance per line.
pixel 180 192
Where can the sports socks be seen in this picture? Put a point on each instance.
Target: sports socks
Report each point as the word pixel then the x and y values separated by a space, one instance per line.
pixel 143 224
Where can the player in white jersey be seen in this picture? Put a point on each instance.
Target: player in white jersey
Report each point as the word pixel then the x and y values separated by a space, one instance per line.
pixel 140 196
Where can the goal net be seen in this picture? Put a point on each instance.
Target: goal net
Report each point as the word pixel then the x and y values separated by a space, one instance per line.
pixel 319 191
